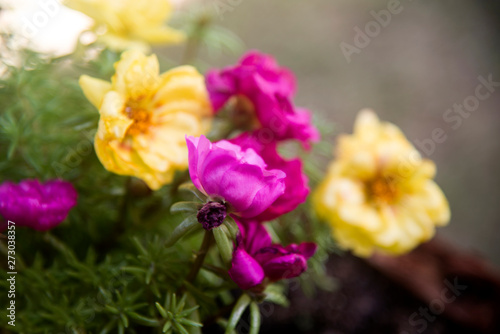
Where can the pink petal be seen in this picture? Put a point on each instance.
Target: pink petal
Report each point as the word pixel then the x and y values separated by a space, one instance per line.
pixel 296 189
pixel 283 267
pixel 36 205
pixel 59 198
pixel 296 182
pixel 214 168
pixel 269 68
pixel 250 189
pixel 239 176
pixel 220 86
pixel 307 249
pixel 193 153
pixel 274 188
pixel 270 89
pixel 245 271
pixel 19 205
pixel 301 128
pixel 254 235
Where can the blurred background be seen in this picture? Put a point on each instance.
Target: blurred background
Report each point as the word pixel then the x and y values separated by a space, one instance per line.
pixel 424 59
pixel 427 58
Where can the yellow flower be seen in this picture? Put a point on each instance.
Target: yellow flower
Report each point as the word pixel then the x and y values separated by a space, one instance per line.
pixel 130 23
pixel 379 194
pixel 145 116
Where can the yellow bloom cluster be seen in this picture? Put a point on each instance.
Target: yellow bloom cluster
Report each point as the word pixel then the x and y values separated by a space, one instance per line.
pixel 379 193
pixel 145 116
pixel 130 24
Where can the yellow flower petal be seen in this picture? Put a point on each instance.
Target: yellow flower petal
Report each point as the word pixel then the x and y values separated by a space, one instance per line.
pixel 113 118
pixel 161 35
pixel 185 85
pixel 94 89
pixel 378 194
pixel 130 24
pixel 145 117
pixel 367 125
pixel 137 76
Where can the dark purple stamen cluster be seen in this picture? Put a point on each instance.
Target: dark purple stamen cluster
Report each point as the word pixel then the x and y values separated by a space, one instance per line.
pixel 211 215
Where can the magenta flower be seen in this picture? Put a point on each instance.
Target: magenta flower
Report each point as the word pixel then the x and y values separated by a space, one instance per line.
pixel 257 85
pixel 255 257
pixel 296 188
pixel 234 177
pixel 36 205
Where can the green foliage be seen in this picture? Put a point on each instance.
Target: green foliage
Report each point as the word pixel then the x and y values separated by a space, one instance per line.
pixel 105 267
pixel 176 316
pixel 125 254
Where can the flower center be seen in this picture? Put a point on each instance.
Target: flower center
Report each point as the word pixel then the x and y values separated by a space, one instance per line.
pixel 141 120
pixel 211 215
pixel 382 189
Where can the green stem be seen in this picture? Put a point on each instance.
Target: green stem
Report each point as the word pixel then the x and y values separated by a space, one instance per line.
pixel 194 40
pixel 119 226
pixel 60 246
pixel 223 312
pixel 200 258
pixel 122 214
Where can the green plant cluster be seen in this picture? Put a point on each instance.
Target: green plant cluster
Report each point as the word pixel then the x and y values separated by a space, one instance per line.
pixel 106 268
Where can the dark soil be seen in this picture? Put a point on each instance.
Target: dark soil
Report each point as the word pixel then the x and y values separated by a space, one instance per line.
pixel 436 289
pixel 403 295
pixel 366 302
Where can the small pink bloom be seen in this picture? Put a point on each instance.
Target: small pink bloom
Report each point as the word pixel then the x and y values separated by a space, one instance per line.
pixel 40 206
pixel 269 88
pixel 237 177
pixel 255 257
pixel 296 188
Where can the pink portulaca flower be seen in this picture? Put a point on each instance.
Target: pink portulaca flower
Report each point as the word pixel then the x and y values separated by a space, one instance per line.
pixel 236 180
pixel 40 206
pixel 296 182
pixel 256 258
pixel 259 87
